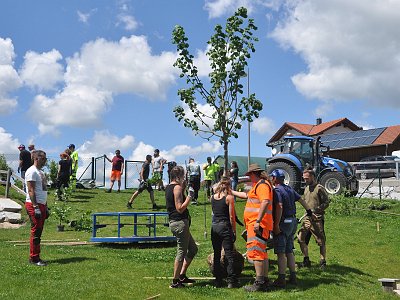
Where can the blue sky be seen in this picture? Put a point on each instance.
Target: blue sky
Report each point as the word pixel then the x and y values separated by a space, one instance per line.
pixel 99 74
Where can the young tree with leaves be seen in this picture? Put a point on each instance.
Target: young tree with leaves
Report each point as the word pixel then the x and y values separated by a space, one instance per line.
pixel 229 50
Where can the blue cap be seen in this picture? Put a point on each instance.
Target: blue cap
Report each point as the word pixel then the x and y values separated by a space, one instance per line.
pixel 71 146
pixel 278 173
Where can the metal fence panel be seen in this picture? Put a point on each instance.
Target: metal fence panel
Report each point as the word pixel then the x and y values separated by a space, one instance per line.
pixel 132 173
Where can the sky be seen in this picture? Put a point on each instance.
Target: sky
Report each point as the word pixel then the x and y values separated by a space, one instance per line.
pixel 99 74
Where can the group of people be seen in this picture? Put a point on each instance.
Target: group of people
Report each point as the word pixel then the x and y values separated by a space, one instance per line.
pixel 270 208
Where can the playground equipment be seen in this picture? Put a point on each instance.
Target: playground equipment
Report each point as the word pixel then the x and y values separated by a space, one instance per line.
pixel 295 153
pixel 139 227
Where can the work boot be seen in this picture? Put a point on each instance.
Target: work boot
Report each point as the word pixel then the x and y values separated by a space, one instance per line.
pixel 280 282
pixel 258 286
pixel 129 205
pixel 322 264
pixel 292 279
pixel 306 263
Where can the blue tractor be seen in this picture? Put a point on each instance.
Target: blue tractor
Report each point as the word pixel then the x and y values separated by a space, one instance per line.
pixel 295 153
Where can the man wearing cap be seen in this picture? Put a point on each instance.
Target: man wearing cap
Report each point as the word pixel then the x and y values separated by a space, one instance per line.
pixel 74 160
pixel 259 223
pixel 36 204
pixel 25 161
pixel 117 169
pixel 317 198
pixel 285 226
pixel 210 174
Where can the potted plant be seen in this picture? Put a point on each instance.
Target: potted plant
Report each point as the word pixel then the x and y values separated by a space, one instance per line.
pixel 61 211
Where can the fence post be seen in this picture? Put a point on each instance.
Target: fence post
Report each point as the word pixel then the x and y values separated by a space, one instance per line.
pixel 8 183
pixel 380 183
pixel 93 167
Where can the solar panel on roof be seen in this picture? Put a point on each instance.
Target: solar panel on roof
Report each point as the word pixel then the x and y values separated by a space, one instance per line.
pixel 351 139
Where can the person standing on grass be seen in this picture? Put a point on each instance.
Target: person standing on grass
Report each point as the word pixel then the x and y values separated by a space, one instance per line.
pixel 179 223
pixel 259 223
pixel 317 199
pixel 194 174
pixel 158 167
pixel 210 175
pixel 36 204
pixel 144 184
pixel 285 226
pixel 234 174
pixel 117 170
pixel 25 161
pixel 223 231
pixel 74 161
pixel 63 174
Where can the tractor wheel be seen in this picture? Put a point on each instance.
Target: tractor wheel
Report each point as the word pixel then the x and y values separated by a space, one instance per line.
pixel 292 176
pixel 333 182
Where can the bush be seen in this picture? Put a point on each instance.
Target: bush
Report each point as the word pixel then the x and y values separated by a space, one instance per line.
pixel 84 222
pixel 53 171
pixel 61 211
pixel 340 205
pixel 3 163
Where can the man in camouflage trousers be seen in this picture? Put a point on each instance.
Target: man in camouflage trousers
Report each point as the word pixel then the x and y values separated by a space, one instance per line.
pixel 317 199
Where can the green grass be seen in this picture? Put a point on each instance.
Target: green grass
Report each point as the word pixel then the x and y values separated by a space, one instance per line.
pixel 357 256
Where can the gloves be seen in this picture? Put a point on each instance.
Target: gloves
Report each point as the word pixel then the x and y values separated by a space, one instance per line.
pixel 47 212
pixel 191 192
pixel 38 213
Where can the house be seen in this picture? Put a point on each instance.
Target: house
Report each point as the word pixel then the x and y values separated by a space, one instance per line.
pixel 346 140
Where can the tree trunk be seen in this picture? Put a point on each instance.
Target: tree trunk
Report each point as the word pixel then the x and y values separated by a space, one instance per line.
pixel 226 170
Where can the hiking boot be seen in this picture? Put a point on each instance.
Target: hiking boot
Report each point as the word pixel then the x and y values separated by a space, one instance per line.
pixel 322 264
pixel 279 283
pixel 184 279
pixel 233 285
pixel 129 205
pixel 176 285
pixel 305 264
pixel 258 286
pixel 292 280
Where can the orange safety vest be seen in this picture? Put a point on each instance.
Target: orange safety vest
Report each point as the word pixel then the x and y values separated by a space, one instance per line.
pixel 253 206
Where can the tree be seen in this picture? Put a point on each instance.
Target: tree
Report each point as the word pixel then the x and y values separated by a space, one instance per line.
pixel 229 50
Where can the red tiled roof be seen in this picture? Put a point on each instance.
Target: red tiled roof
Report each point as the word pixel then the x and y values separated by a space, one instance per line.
pixel 311 130
pixel 388 136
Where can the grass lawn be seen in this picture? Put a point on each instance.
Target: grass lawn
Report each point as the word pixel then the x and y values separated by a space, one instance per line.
pixel 358 255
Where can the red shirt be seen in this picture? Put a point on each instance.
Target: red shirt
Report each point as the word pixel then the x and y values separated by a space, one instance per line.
pixel 117 162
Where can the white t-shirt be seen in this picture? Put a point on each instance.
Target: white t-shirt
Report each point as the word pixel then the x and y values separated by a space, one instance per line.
pixel 36 175
pixel 157 163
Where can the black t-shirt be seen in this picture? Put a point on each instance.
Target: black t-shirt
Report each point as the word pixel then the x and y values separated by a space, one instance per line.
pixel 235 174
pixel 220 210
pixel 25 156
pixel 146 170
pixel 66 167
pixel 170 203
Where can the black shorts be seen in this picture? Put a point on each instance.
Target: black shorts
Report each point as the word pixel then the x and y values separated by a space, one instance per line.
pixel 144 185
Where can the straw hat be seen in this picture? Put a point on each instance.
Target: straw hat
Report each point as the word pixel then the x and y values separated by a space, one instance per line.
pixel 253 168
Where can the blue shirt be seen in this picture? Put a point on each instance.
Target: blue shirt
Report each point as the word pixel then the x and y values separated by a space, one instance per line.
pixel 287 196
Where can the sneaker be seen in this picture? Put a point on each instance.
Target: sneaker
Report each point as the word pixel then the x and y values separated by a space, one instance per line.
pixel 39 263
pixel 258 286
pixel 176 285
pixel 322 264
pixel 108 191
pixel 155 207
pixel 185 279
pixel 129 205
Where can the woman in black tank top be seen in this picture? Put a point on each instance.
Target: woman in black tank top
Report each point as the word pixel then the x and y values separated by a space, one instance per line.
pixel 179 223
pixel 223 231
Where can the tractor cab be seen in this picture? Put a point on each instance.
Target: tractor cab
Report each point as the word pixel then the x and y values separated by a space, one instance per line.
pixel 301 147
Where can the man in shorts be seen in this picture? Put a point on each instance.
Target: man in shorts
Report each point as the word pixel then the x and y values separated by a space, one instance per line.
pixel 144 184
pixel 117 170
pixel 158 167
pixel 285 226
pixel 317 199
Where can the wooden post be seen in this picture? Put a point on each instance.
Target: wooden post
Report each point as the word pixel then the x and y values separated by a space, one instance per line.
pixel 8 183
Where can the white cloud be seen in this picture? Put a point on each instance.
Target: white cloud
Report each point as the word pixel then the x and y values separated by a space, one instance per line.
pixel 205 109
pixel 42 71
pixel 103 142
pixel 84 18
pixel 101 70
pixel 127 21
pixel 218 8
pixel 263 125
pixel 8 143
pixel 323 109
pixel 352 49
pixel 202 62
pixel 9 79
pixel 183 152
